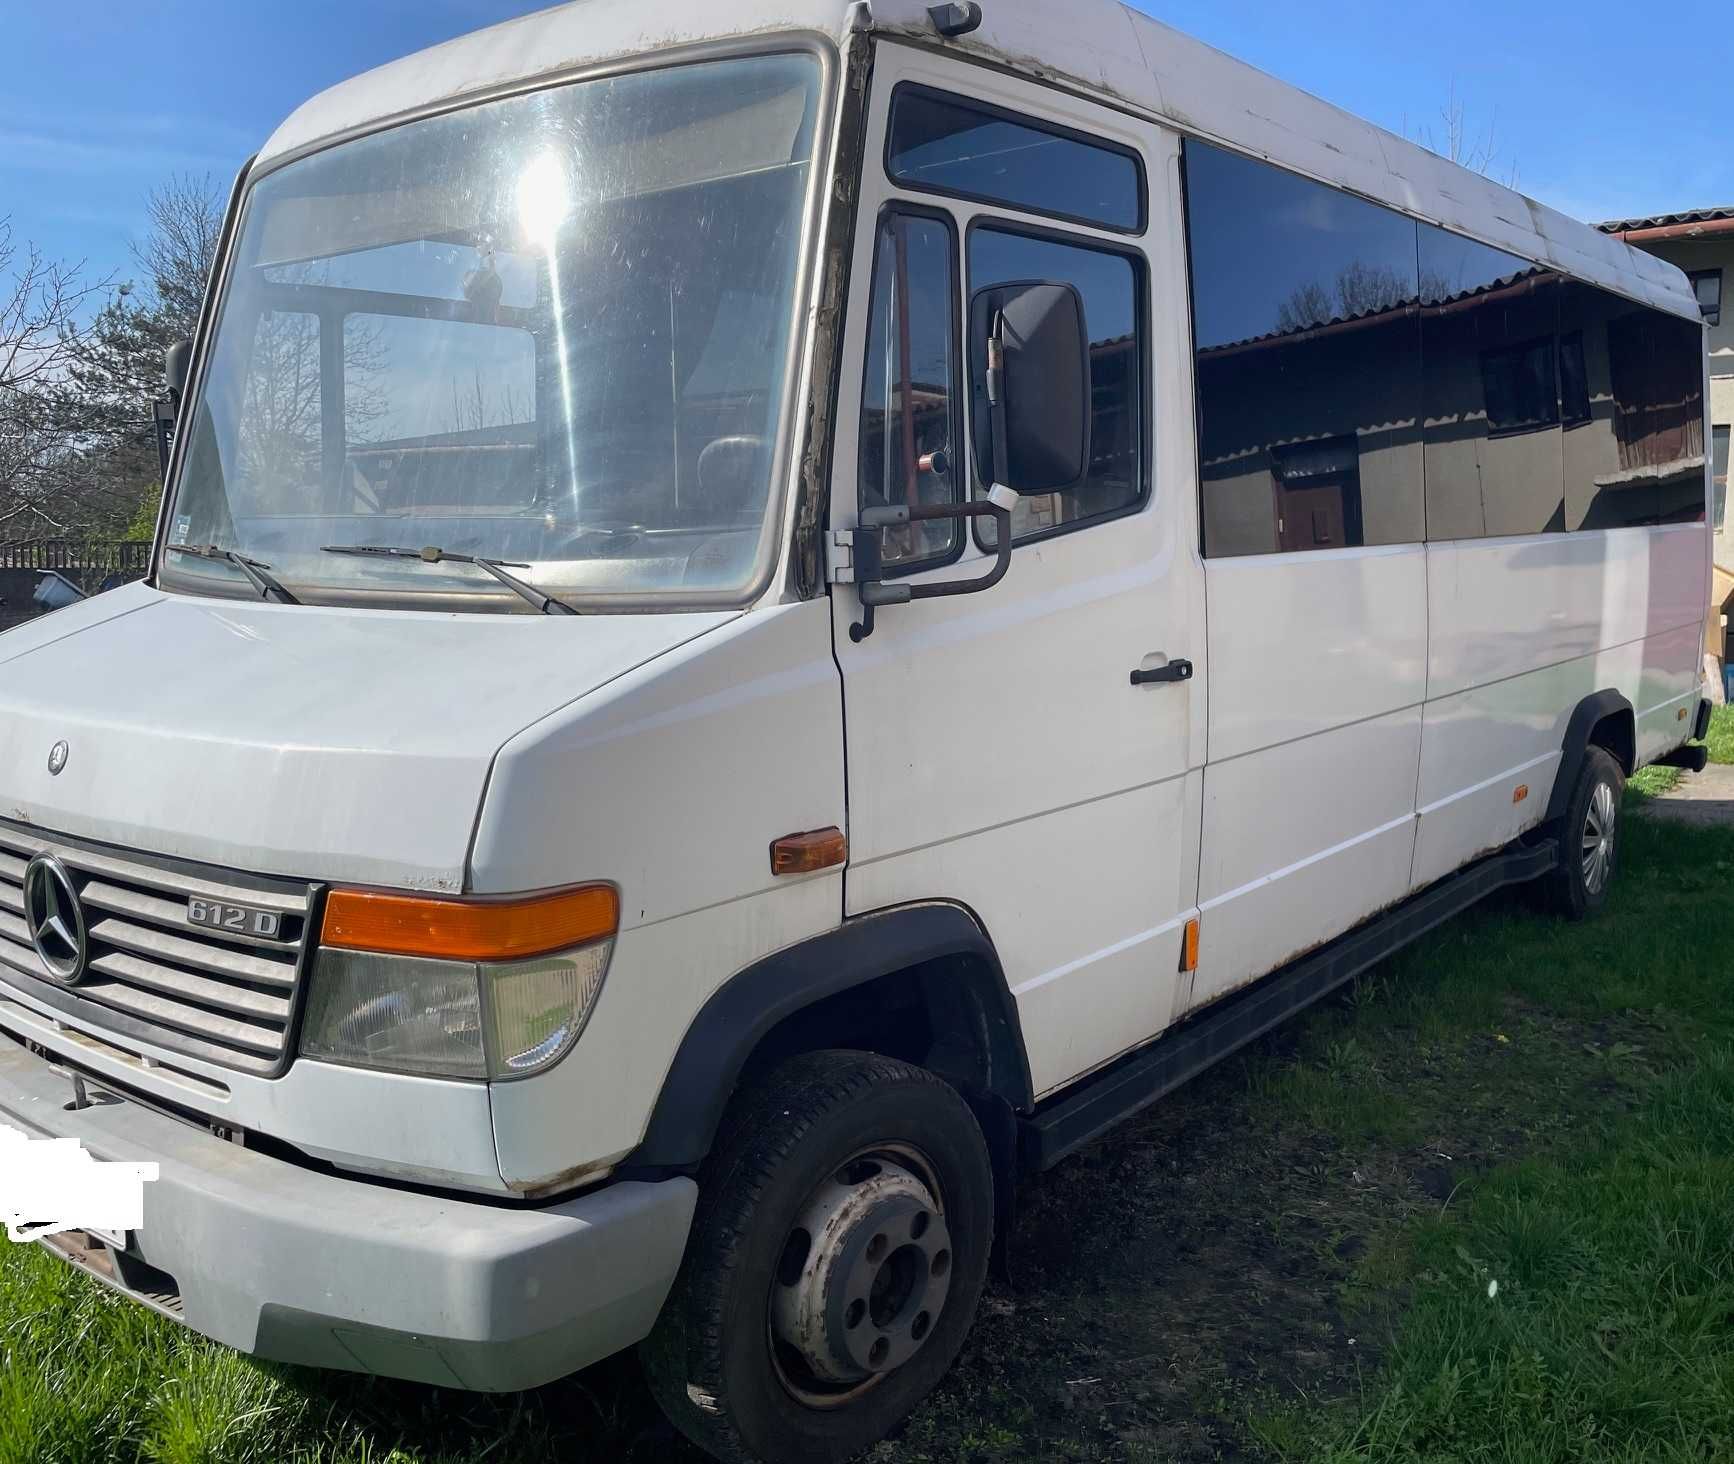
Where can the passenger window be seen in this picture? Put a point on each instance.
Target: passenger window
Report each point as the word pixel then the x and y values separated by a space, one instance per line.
pixel 909 399
pixel 1491 341
pixel 1658 400
pixel 1308 361
pixel 945 144
pixel 1111 285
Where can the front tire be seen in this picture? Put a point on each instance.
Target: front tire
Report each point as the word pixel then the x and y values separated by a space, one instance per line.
pixel 841 1242
pixel 1589 839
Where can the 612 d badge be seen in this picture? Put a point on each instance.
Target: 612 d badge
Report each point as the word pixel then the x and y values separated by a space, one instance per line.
pixel 240 919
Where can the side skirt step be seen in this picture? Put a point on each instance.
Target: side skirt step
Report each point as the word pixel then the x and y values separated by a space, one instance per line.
pixel 1066 1123
pixel 1694 759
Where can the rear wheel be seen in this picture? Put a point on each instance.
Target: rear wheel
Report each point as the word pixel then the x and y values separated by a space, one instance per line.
pixel 844 1226
pixel 1589 839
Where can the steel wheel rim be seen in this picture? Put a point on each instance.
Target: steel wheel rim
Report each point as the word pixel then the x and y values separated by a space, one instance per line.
pixel 1599 823
pixel 889 1306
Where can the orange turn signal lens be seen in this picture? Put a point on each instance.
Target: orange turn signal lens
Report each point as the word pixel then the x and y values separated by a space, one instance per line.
pixel 1189 952
pixel 469 930
pixel 806 853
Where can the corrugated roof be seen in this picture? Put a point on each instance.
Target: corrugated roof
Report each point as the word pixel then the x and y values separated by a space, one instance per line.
pixel 1668 220
pixel 1435 303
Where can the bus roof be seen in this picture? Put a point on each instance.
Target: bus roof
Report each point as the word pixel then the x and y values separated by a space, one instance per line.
pixel 1100 47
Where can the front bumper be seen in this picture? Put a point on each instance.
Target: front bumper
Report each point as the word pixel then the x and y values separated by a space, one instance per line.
pixel 305 1267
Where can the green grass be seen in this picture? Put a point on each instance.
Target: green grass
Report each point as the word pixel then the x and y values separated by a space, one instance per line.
pixel 1576 1302
pixel 1721 738
pixel 1288 1260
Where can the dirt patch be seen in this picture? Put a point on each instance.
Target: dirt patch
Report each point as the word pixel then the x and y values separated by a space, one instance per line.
pixel 1209 1260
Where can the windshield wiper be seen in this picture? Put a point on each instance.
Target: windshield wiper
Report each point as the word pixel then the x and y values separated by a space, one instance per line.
pixel 266 583
pixel 547 604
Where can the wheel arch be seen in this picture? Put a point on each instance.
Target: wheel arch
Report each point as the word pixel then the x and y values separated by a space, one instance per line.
pixel 878 974
pixel 1604 719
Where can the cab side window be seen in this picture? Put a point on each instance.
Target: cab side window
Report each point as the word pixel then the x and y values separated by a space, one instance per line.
pixel 910 414
pixel 1111 284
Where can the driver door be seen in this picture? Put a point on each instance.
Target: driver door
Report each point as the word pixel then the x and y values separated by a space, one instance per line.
pixel 999 754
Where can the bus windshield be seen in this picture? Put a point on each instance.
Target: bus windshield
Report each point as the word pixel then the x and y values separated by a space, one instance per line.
pixel 555 330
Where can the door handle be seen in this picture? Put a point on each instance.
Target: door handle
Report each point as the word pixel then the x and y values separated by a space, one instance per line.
pixel 1173 671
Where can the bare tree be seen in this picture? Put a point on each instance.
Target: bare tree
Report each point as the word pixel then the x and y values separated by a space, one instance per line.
pixel 1475 148
pixel 118 368
pixel 1359 289
pixel 180 250
pixel 42 489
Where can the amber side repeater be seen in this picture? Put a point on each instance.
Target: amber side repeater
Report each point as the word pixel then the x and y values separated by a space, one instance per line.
pixel 804 853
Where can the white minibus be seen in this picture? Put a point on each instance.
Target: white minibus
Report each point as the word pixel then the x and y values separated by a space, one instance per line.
pixel 767 616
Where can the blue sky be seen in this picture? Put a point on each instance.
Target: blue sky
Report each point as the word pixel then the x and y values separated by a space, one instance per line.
pixel 1603 116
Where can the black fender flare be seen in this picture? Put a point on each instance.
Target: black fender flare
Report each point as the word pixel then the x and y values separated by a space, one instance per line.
pixel 1595 708
pixel 731 1024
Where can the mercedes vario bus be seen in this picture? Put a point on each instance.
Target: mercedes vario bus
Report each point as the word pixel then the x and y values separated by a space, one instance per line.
pixel 766 616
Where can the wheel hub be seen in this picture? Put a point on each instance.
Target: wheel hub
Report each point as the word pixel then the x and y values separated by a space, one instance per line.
pixel 865 1272
pixel 1598 838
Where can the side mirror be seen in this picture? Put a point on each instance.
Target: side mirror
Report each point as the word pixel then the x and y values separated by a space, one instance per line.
pixel 177 362
pixel 1032 432
pixel 177 365
pixel 1032 400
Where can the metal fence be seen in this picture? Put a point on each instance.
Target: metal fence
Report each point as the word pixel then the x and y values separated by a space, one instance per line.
pixel 78 558
pixel 27 569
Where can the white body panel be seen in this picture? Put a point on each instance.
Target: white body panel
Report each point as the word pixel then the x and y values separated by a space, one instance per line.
pixel 746 742
pixel 998 754
pixel 1522 631
pixel 292 740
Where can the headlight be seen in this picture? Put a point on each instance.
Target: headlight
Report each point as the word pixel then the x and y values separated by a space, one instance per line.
pixel 457 988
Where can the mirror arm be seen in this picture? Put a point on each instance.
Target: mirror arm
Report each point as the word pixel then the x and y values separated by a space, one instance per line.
pixel 869 563
pixel 164 412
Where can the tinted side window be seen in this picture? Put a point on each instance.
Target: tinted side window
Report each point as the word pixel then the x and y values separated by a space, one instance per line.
pixel 1658 392
pixel 1719 481
pixel 1112 287
pixel 1591 447
pixel 945 144
pixel 1308 361
pixel 909 408
pixel 1492 347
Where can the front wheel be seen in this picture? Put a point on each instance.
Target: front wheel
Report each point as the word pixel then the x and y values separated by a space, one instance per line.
pixel 834 1267
pixel 1589 839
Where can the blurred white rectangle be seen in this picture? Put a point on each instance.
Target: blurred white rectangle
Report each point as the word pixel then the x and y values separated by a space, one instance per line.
pixel 51 1185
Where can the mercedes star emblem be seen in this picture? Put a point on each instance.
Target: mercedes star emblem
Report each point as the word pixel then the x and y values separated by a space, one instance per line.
pixel 55 919
pixel 57 757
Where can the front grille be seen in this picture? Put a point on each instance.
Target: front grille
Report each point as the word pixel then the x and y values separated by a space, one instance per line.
pixel 152 974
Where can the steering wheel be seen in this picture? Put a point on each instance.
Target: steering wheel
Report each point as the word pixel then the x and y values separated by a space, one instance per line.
pixel 731 470
pixel 580 539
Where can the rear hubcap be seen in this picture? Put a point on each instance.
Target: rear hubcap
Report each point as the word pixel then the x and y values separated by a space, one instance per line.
pixel 1598 839
pixel 863 1279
